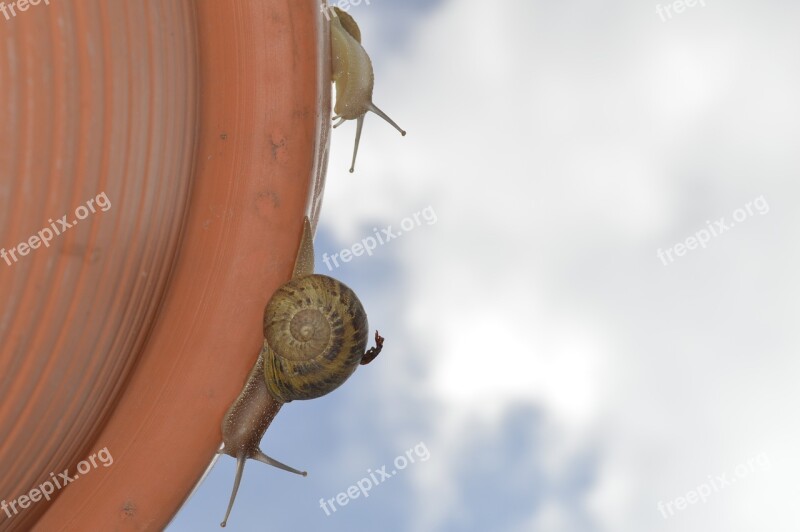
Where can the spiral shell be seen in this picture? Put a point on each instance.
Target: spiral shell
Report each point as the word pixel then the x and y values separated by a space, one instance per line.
pixel 316 330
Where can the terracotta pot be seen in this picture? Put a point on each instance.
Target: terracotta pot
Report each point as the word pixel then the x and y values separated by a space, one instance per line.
pixel 206 125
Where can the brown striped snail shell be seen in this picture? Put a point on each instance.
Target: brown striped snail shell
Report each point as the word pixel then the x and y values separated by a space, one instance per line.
pixel 317 332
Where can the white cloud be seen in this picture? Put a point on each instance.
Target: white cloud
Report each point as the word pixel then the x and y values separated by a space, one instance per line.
pixel 560 147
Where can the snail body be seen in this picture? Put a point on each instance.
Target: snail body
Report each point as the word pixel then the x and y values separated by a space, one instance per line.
pixel 315 331
pixel 353 76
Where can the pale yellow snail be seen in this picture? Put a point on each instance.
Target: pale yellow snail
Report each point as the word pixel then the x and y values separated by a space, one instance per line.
pixel 315 331
pixel 352 73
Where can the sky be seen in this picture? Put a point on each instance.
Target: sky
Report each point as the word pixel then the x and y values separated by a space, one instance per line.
pixel 591 323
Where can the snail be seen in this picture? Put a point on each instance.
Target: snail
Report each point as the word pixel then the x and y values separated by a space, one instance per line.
pixel 315 331
pixel 352 73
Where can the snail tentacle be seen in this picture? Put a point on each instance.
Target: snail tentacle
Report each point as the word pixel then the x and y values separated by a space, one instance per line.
pixel 259 456
pixel 239 470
